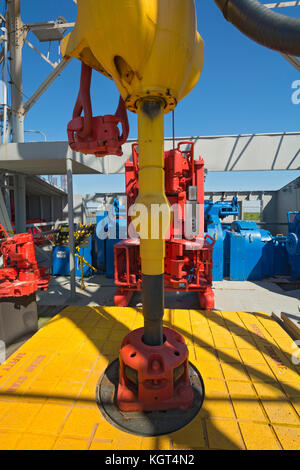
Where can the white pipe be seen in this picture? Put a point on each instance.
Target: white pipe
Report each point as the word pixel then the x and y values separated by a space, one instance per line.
pixel 38 132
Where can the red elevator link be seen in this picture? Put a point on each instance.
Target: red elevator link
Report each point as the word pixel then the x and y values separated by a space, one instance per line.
pixel 188 260
pixel 96 135
pixel 20 274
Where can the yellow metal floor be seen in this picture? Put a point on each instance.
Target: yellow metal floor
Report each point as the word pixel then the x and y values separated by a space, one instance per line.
pixel 252 400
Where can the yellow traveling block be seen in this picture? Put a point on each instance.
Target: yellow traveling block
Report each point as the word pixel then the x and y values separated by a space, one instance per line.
pixel 149 48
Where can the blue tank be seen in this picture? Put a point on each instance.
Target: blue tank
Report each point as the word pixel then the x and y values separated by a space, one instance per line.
pixel 250 252
pixel 293 244
pixel 111 228
pixel 101 228
pixel 61 259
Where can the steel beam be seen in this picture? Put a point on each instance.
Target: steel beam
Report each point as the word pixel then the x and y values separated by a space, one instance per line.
pixel 248 152
pixel 293 3
pixel 294 61
pixel 45 85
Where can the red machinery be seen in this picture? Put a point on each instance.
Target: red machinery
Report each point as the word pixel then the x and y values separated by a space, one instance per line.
pixel 20 275
pixel 96 135
pixel 188 261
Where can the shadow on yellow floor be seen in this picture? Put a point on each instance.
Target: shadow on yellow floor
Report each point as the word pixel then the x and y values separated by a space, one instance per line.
pixel 252 399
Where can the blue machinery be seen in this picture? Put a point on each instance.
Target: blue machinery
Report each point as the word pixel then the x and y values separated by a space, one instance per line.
pixel 244 252
pixel 254 253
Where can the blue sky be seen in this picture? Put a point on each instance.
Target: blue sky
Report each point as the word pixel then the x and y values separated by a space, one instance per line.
pixel 244 88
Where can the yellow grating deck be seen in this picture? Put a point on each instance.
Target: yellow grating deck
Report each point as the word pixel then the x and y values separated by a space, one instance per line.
pixel 252 401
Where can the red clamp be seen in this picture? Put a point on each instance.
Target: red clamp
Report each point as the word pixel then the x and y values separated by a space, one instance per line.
pixel 154 378
pixel 99 135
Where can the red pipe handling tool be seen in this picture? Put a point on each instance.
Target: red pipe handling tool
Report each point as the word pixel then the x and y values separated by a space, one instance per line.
pixel 20 275
pixel 154 377
pixel 99 135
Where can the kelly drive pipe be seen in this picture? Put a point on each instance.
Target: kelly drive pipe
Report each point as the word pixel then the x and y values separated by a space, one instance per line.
pixel 152 193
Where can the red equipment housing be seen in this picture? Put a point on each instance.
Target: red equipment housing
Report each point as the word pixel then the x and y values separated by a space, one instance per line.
pixel 96 135
pixel 188 261
pixel 20 275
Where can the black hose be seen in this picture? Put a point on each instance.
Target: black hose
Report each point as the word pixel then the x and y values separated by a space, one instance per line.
pixel 270 29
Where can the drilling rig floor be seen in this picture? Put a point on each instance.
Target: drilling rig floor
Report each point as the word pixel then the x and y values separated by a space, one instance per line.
pixel 252 387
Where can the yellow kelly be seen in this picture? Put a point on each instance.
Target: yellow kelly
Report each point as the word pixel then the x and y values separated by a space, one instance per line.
pixel 152 189
pixel 154 54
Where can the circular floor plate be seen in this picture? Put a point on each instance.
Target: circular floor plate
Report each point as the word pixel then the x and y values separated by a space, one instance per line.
pixel 154 423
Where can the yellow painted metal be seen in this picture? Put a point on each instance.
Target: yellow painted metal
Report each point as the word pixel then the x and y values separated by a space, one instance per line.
pixel 153 52
pixel 252 390
pixel 149 48
pixel 151 224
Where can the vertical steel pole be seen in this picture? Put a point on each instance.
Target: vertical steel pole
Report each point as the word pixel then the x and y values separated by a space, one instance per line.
pixel 5 137
pixel 16 41
pixel 69 165
pixel 5 117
